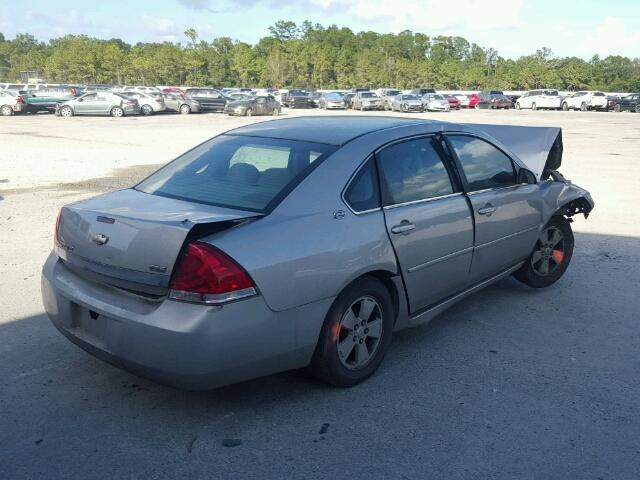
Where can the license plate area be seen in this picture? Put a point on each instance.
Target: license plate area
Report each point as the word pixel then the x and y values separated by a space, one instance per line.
pixel 88 325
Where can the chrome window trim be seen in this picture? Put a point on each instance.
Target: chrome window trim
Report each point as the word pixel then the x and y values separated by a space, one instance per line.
pixel 423 200
pixel 496 189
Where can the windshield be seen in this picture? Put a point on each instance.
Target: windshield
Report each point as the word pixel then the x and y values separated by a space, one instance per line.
pixel 409 97
pixel 336 97
pixel 551 93
pixel 368 95
pixel 437 97
pixel 392 93
pixel 246 173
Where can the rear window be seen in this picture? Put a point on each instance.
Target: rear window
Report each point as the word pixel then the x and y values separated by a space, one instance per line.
pixel 246 173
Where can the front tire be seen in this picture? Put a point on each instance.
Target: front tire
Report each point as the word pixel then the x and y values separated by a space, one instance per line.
pixel 583 107
pixel 117 112
pixel 355 335
pixel 551 255
pixel 534 106
pixel 518 106
pixel 66 111
pixel 616 107
pixel 637 108
pixel 147 110
pixel 249 112
pixel 6 111
pixel 185 109
pixel 565 107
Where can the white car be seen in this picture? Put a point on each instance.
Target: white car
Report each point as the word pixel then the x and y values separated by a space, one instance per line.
pixel 464 100
pixel 534 99
pixel 433 102
pixel 585 100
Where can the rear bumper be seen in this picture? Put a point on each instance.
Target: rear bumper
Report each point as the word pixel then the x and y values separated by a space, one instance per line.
pixel 180 344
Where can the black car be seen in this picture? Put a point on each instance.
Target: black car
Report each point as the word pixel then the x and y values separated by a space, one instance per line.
pixel 208 98
pixel 491 100
pixel 297 99
pixel 420 92
pixel 630 103
pixel 612 101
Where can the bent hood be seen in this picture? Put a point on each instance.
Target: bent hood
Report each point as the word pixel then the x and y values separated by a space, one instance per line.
pixel 539 148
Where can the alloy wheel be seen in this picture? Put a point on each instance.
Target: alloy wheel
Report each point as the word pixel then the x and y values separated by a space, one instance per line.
pixel 360 332
pixel 6 110
pixel 66 111
pixel 549 252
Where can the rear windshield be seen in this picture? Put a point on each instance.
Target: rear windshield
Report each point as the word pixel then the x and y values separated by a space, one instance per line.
pixel 247 173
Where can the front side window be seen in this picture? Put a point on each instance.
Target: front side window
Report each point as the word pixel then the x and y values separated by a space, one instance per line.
pixel 483 165
pixel 411 171
pixel 246 173
pixel 363 193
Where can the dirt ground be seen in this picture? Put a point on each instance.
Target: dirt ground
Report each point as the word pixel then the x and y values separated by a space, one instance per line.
pixel 510 383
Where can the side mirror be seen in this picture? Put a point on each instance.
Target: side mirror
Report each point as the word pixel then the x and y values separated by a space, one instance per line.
pixel 526 176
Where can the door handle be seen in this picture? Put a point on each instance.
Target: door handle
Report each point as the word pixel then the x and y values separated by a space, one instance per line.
pixel 488 209
pixel 404 228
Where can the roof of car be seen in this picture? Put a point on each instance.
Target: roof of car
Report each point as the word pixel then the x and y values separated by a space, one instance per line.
pixel 333 130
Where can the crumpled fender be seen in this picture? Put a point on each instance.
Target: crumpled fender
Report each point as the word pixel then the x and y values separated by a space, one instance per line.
pixel 561 197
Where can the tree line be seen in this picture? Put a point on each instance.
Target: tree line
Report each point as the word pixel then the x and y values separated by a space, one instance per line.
pixel 310 56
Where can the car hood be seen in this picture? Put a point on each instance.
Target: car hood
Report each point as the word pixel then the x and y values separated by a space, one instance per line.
pixel 539 148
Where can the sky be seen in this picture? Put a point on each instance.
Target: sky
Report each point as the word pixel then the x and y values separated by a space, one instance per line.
pixel 513 27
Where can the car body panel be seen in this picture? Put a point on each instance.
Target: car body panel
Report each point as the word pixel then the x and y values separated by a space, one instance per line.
pixel 545 98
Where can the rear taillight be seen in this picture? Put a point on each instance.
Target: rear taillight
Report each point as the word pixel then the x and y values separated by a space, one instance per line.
pixel 19 99
pixel 56 232
pixel 205 274
pixel 158 100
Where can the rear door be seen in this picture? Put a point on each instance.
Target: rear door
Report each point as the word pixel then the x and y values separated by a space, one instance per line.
pixel 507 214
pixel 428 220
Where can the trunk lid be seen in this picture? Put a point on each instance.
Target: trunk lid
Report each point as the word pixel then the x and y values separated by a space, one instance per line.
pixel 132 239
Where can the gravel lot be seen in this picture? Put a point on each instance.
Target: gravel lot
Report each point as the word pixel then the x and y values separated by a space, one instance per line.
pixel 511 383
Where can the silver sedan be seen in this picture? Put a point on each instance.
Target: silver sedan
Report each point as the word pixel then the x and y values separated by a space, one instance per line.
pixel 306 243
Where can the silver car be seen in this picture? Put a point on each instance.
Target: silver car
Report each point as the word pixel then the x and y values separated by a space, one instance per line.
pixel 367 101
pixel 150 103
pixel 406 103
pixel 181 104
pixel 306 243
pixel 98 103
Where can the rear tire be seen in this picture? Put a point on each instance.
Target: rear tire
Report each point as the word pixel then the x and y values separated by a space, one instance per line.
pixel 347 352
pixel 551 255
pixel 66 111
pixel 534 106
pixel 6 111
pixel 147 109
pixel 565 107
pixel 616 107
pixel 583 107
pixel 185 109
pixel 249 112
pixel 517 106
pixel 637 108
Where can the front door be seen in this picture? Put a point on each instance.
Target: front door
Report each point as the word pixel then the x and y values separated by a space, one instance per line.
pixel 428 220
pixel 507 214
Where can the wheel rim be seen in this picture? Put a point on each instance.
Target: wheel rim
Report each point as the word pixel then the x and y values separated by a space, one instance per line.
pixel 360 332
pixel 65 112
pixel 6 111
pixel 185 108
pixel 146 109
pixel 117 112
pixel 549 252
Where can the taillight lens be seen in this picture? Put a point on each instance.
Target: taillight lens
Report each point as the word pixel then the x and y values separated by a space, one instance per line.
pixel 56 232
pixel 205 274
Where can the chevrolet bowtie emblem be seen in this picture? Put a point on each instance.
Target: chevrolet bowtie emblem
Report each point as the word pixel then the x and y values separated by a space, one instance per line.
pixel 100 239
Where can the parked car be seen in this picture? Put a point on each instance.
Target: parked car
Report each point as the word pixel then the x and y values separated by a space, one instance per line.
pixel 474 98
pixel 46 99
pixel 434 102
pixel 612 101
pixel 387 95
pixel 454 103
pixel 175 91
pixel 347 98
pixel 406 102
pixel 208 98
pixel 493 101
pixel 315 98
pixel 630 103
pixel 331 100
pixel 150 103
pixel 367 101
pixel 585 100
pixel 421 92
pixel 340 264
pixel 543 99
pixel 463 99
pixel 11 102
pixel 181 104
pixel 297 99
pixel 99 103
pixel 253 106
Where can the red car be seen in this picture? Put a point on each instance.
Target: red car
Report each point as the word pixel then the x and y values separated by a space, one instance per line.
pixel 454 103
pixel 175 91
pixel 473 100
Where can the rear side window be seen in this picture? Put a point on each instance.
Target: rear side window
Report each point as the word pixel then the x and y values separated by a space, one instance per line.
pixel 363 193
pixel 411 171
pixel 246 173
pixel 483 165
